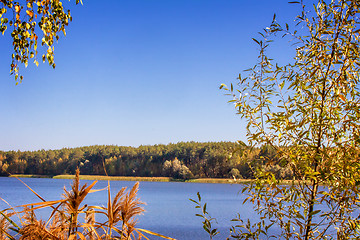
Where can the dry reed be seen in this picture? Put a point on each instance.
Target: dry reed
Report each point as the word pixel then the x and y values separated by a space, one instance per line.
pixel 63 222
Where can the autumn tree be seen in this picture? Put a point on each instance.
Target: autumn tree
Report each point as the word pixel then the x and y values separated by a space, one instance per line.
pixel 176 169
pixel 29 22
pixel 309 111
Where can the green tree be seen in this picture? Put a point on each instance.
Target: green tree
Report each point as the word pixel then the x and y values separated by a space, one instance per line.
pixel 29 21
pixel 309 111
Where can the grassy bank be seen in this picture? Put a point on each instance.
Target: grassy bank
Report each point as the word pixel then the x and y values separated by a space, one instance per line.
pixel 115 178
pixel 218 180
pixel 146 179
pixel 31 176
pixel 149 179
pixel 140 179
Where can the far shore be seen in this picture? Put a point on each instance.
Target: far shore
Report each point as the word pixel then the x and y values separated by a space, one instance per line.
pixel 151 179
pixel 140 179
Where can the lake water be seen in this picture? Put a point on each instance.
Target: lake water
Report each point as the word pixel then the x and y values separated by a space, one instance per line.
pixel 168 209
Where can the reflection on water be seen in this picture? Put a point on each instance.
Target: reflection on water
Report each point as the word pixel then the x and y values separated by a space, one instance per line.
pixel 168 209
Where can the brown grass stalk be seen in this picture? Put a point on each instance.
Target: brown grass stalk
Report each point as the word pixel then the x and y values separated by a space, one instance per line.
pixel 64 224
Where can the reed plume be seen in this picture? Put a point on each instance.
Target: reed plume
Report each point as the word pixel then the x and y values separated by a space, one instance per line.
pixel 73 199
pixel 4 226
pixel 122 209
pixel 59 225
pixel 63 223
pixel 36 231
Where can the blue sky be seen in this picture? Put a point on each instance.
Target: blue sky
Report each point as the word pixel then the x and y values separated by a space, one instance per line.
pixel 137 72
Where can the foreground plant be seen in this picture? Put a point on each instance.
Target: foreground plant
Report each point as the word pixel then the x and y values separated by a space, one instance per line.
pixel 64 221
pixel 309 112
pixel 23 18
pixel 207 219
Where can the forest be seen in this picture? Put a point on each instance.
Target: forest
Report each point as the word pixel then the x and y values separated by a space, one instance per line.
pixel 183 160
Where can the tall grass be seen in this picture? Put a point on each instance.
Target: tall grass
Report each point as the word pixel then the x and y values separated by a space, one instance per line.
pixel 65 222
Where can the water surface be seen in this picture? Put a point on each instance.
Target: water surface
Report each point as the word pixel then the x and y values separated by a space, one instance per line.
pixel 168 209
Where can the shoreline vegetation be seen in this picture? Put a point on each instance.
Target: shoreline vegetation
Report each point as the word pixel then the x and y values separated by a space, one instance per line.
pixel 136 179
pixel 184 161
pixel 148 179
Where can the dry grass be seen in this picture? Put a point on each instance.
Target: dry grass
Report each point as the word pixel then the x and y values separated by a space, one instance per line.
pixel 218 180
pixel 63 222
pixel 4 226
pixel 138 179
pixel 116 178
pixel 154 179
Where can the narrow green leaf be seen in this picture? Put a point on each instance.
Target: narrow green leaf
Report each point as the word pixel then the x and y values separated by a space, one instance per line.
pixel 255 40
pixel 314 212
pixel 10 221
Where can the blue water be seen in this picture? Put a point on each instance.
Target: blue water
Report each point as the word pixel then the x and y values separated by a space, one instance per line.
pixel 168 209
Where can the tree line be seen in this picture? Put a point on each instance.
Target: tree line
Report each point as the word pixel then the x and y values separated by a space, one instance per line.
pixel 182 160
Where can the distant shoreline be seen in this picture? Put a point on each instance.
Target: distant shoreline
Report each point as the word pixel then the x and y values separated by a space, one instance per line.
pixel 140 179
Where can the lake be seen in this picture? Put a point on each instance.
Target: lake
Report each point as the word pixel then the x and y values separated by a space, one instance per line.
pixel 168 209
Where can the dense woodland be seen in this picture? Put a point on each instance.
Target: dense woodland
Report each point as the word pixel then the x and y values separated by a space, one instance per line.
pixel 182 160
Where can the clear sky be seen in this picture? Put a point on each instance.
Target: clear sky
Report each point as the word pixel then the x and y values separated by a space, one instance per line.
pixel 136 72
